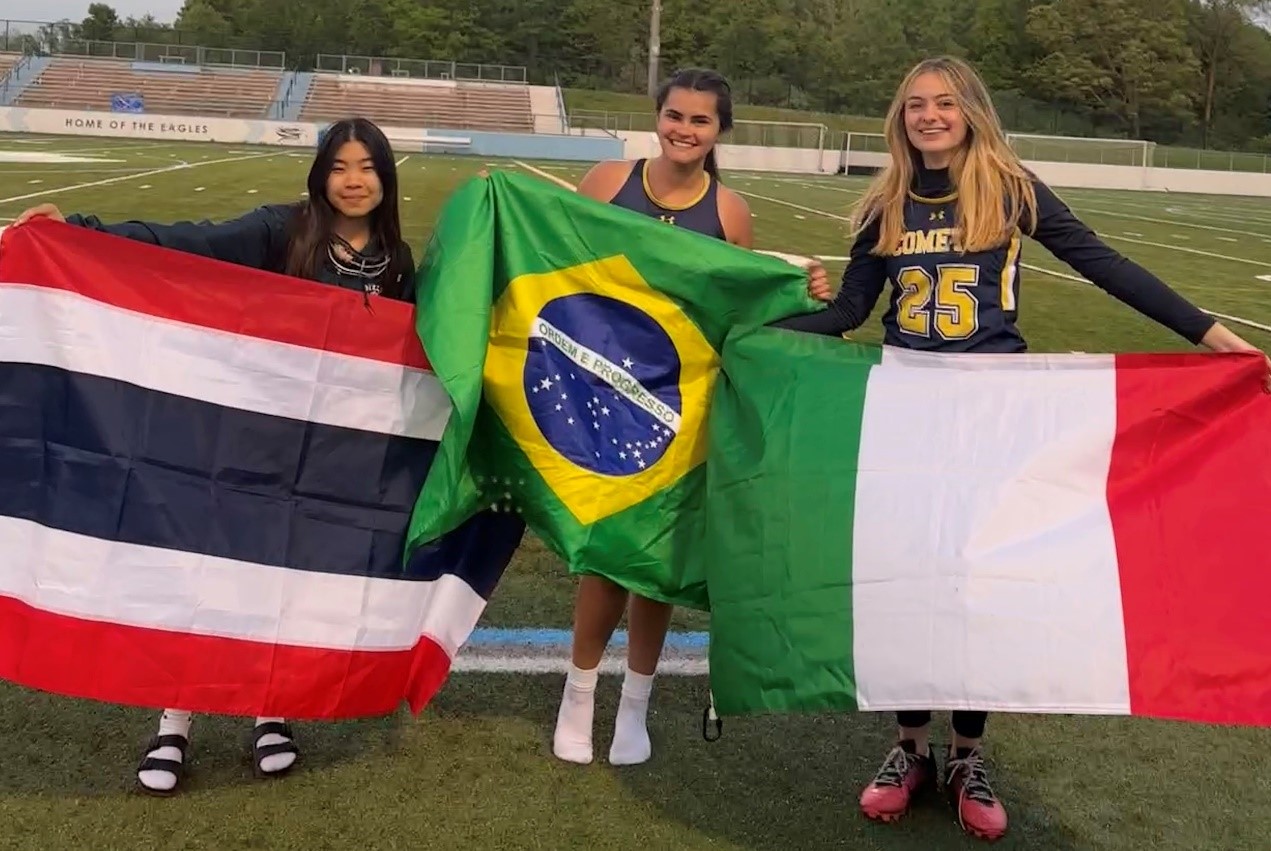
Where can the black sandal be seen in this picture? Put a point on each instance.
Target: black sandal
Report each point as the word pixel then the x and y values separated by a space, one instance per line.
pixel 259 751
pixel 171 766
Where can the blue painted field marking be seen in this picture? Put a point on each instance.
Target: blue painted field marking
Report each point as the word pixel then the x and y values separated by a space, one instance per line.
pixel 555 638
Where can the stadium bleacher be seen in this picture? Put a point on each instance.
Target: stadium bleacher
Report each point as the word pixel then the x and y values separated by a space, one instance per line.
pixel 175 84
pixel 77 83
pixel 465 106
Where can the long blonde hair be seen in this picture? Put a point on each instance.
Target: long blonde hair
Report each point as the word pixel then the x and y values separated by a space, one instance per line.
pixel 995 193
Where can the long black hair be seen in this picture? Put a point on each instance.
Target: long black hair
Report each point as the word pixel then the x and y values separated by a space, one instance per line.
pixel 703 80
pixel 311 228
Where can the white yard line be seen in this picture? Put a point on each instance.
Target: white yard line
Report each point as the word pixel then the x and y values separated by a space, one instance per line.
pixel 1187 250
pixel 25 171
pixel 799 259
pixel 106 149
pixel 1236 215
pixel 1174 222
pixel 109 180
pixel 1080 280
pixel 829 188
pixel 793 205
pixel 553 178
pixel 1240 321
pixel 402 160
pixel 824 184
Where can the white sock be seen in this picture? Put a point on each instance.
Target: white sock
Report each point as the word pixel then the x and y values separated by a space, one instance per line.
pixel 572 740
pixel 278 761
pixel 173 722
pixel 631 745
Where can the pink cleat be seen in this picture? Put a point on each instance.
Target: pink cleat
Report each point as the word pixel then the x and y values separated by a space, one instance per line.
pixel 903 776
pixel 966 783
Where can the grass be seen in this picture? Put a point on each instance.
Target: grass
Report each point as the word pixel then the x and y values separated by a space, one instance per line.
pixel 475 769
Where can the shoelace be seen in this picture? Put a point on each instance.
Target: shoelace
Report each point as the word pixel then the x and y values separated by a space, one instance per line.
pixel 976 783
pixel 895 767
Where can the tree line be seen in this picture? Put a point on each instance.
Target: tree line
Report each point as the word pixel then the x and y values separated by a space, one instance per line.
pixel 1192 72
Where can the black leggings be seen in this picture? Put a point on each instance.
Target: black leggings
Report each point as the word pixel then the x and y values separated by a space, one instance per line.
pixel 967 724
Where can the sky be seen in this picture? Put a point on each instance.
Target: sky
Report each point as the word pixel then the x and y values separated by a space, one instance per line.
pixel 164 11
pixel 76 10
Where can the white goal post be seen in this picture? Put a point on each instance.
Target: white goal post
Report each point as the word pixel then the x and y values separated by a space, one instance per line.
pixel 868 151
pixel 806 135
pixel 1083 149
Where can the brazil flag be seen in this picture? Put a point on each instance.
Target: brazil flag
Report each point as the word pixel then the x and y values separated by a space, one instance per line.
pixel 579 345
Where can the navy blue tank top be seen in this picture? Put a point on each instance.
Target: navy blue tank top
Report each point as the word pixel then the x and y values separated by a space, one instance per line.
pixel 702 215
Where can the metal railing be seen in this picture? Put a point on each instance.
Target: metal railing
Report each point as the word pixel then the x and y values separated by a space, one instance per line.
pixel 172 54
pixel 14 75
pixel 427 69
pixel 560 104
pixel 1197 158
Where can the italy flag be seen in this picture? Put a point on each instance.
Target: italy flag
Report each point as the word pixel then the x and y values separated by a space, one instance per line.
pixel 1030 533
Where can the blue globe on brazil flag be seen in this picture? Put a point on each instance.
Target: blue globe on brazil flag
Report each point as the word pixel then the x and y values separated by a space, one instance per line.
pixel 602 381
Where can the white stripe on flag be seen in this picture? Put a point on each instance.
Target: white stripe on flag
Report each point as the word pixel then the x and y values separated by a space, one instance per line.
pixel 999 466
pixel 84 577
pixel 69 331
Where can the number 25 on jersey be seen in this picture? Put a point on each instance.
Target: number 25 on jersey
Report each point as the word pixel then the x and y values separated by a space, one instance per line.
pixel 948 301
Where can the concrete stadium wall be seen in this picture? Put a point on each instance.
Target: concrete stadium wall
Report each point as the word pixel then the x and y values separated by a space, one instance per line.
pixel 237 131
pixel 181 128
pixel 541 146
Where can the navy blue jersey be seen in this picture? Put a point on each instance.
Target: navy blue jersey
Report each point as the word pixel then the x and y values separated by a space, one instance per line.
pixel 257 239
pixel 701 215
pixel 944 300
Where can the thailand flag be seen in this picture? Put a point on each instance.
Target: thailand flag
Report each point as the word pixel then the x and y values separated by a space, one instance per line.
pixel 207 474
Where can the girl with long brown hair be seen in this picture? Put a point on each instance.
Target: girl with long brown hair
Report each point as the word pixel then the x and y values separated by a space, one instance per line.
pixel 942 222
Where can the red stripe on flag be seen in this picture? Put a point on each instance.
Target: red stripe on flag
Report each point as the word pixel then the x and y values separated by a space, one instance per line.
pixel 1189 491
pixel 160 669
pixel 199 291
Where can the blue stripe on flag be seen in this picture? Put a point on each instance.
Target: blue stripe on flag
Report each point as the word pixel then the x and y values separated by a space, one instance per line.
pixel 111 460
pixel 478 551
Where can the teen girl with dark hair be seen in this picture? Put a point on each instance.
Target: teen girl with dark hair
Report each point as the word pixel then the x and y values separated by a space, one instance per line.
pixel 681 185
pixel 347 233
